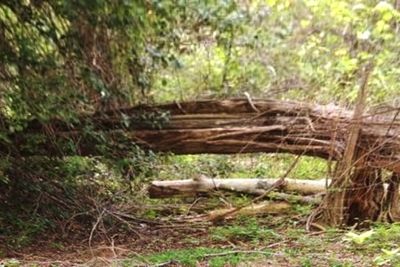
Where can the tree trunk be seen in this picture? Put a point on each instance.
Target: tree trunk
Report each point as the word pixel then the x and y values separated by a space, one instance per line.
pixel 356 191
pixel 192 187
pixel 220 127
pixel 365 197
pixel 392 199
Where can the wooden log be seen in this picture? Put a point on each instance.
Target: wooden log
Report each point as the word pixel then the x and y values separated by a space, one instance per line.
pixel 265 207
pixel 192 187
pixel 212 126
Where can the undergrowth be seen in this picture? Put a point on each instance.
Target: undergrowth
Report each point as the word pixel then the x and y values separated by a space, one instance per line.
pixel 64 198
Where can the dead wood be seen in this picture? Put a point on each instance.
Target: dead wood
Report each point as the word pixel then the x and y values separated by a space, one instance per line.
pixel 220 127
pixel 192 187
pixel 335 209
pixel 265 207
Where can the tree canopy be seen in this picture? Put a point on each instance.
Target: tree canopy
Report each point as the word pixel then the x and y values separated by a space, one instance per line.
pixel 60 58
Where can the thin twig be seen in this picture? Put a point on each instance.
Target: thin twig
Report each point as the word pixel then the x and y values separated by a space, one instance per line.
pixel 99 218
pixel 247 95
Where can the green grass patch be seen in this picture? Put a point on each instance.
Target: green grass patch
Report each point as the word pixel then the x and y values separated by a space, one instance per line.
pixel 191 257
pixel 245 229
pixel 241 166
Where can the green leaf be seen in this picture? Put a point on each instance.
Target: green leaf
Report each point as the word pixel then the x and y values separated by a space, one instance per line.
pixel 359 239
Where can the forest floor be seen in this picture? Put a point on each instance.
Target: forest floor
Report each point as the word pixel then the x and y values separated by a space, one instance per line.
pixel 246 241
pixel 164 238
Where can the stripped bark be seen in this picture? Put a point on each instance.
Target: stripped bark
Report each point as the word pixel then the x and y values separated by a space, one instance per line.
pixel 192 187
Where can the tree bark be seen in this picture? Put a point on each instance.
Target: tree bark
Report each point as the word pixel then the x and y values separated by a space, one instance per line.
pixel 356 193
pixel 220 127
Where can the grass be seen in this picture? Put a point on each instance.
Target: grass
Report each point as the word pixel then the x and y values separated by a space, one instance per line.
pixel 292 246
pixel 246 229
pixel 192 256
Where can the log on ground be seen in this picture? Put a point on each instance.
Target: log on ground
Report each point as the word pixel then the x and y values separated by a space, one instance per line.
pixel 192 187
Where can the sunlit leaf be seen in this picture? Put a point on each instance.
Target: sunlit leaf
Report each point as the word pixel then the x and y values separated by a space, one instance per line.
pixel 359 239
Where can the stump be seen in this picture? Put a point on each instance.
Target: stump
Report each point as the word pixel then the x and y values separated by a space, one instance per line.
pixel 357 193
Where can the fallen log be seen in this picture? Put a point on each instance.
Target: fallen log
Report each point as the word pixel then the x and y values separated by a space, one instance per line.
pixel 192 187
pixel 233 126
pixel 265 207
pixel 294 198
pixel 212 126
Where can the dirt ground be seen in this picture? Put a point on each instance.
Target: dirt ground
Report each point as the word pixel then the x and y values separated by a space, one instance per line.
pixel 292 246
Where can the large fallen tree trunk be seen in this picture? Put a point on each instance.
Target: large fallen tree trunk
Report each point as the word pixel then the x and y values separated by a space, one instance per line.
pixel 221 127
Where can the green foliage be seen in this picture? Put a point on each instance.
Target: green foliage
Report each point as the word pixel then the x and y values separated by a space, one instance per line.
pixel 153 120
pixel 19 231
pixel 306 262
pixel 294 50
pixel 10 263
pixel 391 257
pixel 63 57
pixel 386 235
pixel 382 241
pixel 138 165
pixel 191 257
pixel 359 239
pixel 242 166
pixel 46 191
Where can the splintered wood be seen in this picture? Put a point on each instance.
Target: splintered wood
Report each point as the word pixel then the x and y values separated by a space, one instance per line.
pixel 221 127
pixel 233 126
